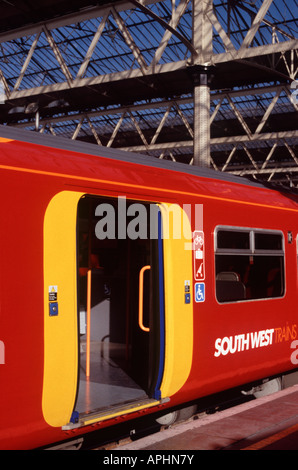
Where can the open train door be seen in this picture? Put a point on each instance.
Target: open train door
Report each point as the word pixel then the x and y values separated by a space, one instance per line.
pixel 118 312
pixel 121 305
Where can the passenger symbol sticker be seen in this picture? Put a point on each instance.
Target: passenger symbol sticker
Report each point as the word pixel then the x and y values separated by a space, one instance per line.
pixel 198 247
pixel 200 292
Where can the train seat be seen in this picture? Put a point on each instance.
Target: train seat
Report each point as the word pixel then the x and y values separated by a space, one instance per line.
pixel 229 287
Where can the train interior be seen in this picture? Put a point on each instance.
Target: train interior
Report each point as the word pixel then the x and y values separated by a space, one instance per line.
pixel 117 358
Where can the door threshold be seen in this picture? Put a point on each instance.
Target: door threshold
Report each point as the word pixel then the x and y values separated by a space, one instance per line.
pixel 113 412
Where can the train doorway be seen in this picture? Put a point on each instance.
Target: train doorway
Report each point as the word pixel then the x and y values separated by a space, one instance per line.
pixel 120 304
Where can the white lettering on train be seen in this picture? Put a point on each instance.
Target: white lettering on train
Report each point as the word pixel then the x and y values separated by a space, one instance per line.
pixel 243 342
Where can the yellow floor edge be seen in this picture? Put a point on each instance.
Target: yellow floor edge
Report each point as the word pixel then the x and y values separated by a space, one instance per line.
pixel 99 416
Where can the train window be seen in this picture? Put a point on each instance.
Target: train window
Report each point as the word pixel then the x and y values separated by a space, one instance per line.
pixel 229 239
pixel 249 264
pixel 265 241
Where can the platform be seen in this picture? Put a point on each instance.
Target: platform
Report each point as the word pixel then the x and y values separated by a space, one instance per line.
pixel 267 423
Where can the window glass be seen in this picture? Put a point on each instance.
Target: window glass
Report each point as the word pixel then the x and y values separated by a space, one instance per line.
pixel 243 273
pixel 270 241
pixel 231 239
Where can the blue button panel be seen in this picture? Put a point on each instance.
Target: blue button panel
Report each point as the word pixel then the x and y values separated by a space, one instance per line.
pixel 53 309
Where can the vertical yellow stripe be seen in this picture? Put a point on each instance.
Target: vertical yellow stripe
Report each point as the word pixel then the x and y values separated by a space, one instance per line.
pixel 60 331
pixel 178 314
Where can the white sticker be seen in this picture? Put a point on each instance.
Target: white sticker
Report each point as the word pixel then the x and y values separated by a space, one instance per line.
pixel 53 293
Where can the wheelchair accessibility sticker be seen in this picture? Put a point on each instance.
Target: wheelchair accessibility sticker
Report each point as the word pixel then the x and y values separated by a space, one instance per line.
pixel 200 292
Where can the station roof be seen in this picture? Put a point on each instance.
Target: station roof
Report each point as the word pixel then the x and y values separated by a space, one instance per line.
pixel 251 100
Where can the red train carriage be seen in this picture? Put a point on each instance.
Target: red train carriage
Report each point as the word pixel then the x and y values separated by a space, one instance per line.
pixel 129 285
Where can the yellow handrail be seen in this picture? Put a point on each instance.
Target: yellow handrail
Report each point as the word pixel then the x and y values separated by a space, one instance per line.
pixel 141 290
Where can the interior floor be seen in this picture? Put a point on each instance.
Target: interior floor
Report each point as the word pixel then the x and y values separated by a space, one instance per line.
pixel 108 384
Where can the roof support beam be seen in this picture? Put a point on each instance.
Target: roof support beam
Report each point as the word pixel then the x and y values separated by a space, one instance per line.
pixel 221 96
pixel 201 143
pixel 202 40
pixel 216 141
pixel 170 29
pixel 130 41
pixel 256 51
pixel 136 73
pixel 58 55
pixel 202 31
pixel 243 172
pixel 92 46
pixel 26 63
pixel 256 24
pixel 168 26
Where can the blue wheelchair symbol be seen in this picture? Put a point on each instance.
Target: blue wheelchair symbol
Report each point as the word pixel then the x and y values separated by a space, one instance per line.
pixel 200 292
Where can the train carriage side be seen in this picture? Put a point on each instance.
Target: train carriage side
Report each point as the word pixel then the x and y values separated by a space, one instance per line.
pixel 218 300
